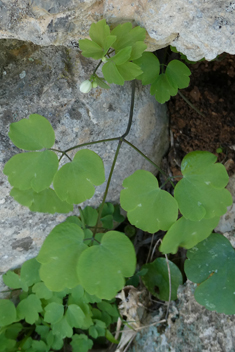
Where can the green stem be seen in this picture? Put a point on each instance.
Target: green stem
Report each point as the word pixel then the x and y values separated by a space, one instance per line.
pixel 97 67
pixel 169 178
pixel 190 104
pixel 91 239
pixel 149 160
pixel 82 217
pixel 90 143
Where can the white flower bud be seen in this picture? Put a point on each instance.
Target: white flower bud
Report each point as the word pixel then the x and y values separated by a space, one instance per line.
pixel 86 86
pixel 104 59
pixel 94 85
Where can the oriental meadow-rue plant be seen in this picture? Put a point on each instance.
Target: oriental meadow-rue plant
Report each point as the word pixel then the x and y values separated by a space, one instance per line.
pixel 68 290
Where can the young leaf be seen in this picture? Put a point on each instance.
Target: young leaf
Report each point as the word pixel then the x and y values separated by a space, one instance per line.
pixel 62 328
pixel 101 269
pixel 59 255
pixel 162 89
pixel 148 207
pixel 29 308
pixel 39 346
pixel 211 265
pixel 157 279
pixel 34 170
pixel 91 49
pixel 53 313
pixel 111 73
pixel 111 309
pixel 75 316
pixel 7 312
pixel 6 344
pixel 42 291
pixel 100 34
pixel 122 56
pixel 101 83
pixel 14 281
pixel 81 343
pixel 178 74
pixel 117 214
pixel 127 36
pixel 186 233
pixel 74 181
pixel 200 193
pixel 13 330
pixel 90 216
pixel 34 133
pixel 137 50
pixel 129 71
pixel 46 201
pixel 150 66
pixel 30 271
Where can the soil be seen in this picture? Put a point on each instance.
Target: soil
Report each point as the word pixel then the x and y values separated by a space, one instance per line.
pixel 212 92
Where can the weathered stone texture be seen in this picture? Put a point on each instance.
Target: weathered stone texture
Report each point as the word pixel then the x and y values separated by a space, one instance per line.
pixel 197 28
pixel 46 80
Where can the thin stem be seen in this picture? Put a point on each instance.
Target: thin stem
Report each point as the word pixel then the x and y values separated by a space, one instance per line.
pixel 149 160
pixel 97 67
pixel 82 217
pixel 90 143
pixel 169 275
pixel 91 239
pixel 131 110
pixel 190 104
pixel 60 151
pixel 169 178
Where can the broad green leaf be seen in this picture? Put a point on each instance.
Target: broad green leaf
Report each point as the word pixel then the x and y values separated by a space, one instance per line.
pixel 211 265
pixel 98 329
pixel 90 216
pixel 122 56
pixel 200 193
pixel 127 36
pixel 100 34
pixel 129 71
pixel 111 73
pixel 101 83
pixel 7 312
pixel 29 308
pixel 108 209
pixel 46 201
pixel 29 271
pixel 85 308
pixel 14 281
pixel 107 222
pixel 62 328
pixel 148 207
pixel 81 343
pixel 6 344
pixel 101 269
pixel 57 343
pixel 91 49
pixel 75 316
pixel 34 170
pixel 39 346
pixel 77 292
pixel 59 256
pixel 42 291
pixel 157 279
pixel 34 133
pixel 43 331
pixel 150 66
pixel 178 74
pixel 53 313
pixel 137 50
pixel 74 181
pixel 162 89
pixel 13 331
pixel 186 233
pixel 117 214
pixel 74 220
pixel 111 309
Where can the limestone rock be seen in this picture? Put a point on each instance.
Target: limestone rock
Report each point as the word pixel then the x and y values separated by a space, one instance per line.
pixel 46 80
pixel 197 28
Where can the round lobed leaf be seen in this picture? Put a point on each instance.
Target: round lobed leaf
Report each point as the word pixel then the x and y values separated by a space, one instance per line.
pixel 186 233
pixel 178 74
pixel 74 182
pixel 34 133
pixel 75 316
pixel 150 66
pixel 162 89
pixel 29 308
pixel 34 170
pixel 101 269
pixel 211 265
pixel 7 312
pixel 200 193
pixel 53 312
pixel 157 279
pixel 148 207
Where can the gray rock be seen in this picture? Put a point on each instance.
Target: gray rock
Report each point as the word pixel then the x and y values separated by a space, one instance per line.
pixel 197 28
pixel 46 80
pixel 227 221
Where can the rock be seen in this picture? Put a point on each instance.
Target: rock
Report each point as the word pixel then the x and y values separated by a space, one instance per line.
pixel 227 221
pixel 46 80
pixel 190 327
pixel 197 28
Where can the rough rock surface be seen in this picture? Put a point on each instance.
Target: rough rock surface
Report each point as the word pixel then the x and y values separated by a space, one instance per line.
pixel 46 81
pixel 197 28
pixel 227 221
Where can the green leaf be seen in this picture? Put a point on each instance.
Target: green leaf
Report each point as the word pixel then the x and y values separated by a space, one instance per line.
pixel 53 312
pixel 14 281
pixel 46 201
pixel 7 312
pixel 34 170
pixel 43 331
pixel 29 271
pixel 122 56
pixel 62 328
pixel 90 216
pixel 29 308
pixel 129 71
pixel 148 207
pixel 57 343
pixel 75 316
pixel 91 49
pixel 111 73
pixel 111 309
pixel 59 256
pixel 98 329
pixel 13 331
pixel 211 264
pixel 101 269
pixel 77 292
pixel 157 279
pixel 150 66
pixel 126 36
pixel 100 34
pixel 137 50
pixel 34 133
pixel 39 346
pixel 74 181
pixel 101 83
pixel 200 193
pixel 107 222
pixel 74 220
pixel 81 343
pixel 42 291
pixel 110 337
pixel 178 74
pixel 162 89
pixel 117 215
pixel 186 233
pixel 85 308
pixel 6 344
